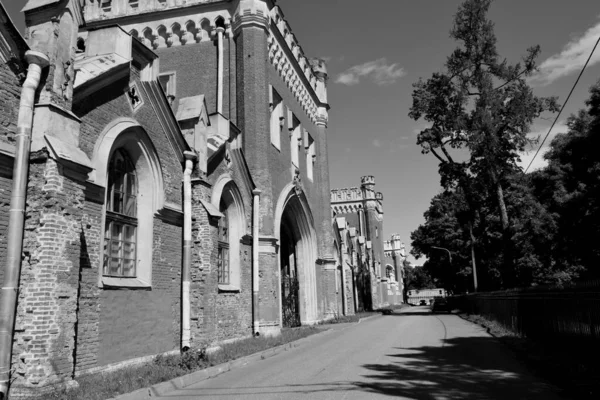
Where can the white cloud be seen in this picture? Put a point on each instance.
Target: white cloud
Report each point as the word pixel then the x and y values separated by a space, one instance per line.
pixel 377 143
pixel 540 131
pixel 379 71
pixel 571 59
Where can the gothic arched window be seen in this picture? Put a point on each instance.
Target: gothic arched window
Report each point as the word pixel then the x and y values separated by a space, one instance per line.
pixel 121 217
pixel 223 257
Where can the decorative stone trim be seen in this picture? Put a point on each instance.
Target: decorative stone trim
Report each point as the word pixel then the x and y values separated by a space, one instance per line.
pixel 282 59
pixel 170 215
pixel 268 244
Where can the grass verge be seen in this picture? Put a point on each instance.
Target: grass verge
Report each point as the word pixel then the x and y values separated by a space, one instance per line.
pixel 163 368
pixel 572 366
pixel 343 319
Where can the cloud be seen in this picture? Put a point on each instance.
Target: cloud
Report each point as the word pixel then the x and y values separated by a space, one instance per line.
pixel 540 132
pixel 571 59
pixel 377 143
pixel 379 71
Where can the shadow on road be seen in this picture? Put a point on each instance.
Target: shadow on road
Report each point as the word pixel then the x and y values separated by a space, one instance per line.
pixel 464 368
pixel 417 313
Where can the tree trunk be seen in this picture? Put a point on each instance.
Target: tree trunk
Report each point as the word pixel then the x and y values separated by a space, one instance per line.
pixel 475 285
pixel 502 206
pixel 509 278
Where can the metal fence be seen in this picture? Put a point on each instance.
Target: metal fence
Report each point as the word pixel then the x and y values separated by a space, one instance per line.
pixel 543 313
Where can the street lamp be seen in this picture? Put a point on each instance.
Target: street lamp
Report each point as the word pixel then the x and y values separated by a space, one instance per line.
pixel 442 248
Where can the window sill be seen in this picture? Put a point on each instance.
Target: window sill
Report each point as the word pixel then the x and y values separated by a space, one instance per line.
pixel 228 289
pixel 109 282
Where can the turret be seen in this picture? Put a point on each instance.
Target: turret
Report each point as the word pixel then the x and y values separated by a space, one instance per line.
pixel 367 184
pixel 320 69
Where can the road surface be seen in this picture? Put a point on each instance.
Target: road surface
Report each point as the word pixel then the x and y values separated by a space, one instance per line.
pixel 409 355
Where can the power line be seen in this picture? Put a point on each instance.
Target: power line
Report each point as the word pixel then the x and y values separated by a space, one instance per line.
pixel 563 106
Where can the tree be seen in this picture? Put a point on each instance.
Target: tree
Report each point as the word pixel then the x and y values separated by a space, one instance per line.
pixel 533 233
pixel 569 188
pixel 417 278
pixel 445 228
pixel 481 104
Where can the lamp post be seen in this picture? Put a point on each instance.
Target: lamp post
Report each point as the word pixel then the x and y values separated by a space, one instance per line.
pixel 442 248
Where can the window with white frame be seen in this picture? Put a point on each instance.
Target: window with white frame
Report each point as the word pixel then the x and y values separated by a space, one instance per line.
pixel 167 82
pixel 389 273
pixel 277 118
pixel 295 138
pixel 223 246
pixel 120 239
pixel 230 231
pixel 310 156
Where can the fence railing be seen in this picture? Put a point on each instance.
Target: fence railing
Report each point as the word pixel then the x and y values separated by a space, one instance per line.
pixel 570 313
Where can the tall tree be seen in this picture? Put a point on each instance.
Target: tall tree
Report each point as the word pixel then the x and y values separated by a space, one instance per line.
pixel 480 103
pixel 569 187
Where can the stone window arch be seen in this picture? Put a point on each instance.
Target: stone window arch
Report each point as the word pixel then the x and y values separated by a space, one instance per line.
pixel 231 228
pixel 389 273
pixel 127 166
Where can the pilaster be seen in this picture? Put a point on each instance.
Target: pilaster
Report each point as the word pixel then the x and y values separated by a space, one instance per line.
pixel 250 25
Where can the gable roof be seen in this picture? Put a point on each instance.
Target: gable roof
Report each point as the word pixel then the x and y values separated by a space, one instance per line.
pixel 167 119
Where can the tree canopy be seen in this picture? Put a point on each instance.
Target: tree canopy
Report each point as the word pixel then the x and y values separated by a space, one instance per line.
pixel 482 105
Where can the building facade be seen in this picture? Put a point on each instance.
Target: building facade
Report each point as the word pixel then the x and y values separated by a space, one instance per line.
pixel 395 255
pixel 416 296
pixel 358 219
pixel 176 185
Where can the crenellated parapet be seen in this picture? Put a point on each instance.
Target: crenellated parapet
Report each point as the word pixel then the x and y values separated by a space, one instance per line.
pixel 347 194
pixel 107 9
pixel 305 78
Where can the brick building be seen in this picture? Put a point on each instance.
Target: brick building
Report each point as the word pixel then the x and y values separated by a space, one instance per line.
pixel 363 256
pixel 165 207
pixel 395 255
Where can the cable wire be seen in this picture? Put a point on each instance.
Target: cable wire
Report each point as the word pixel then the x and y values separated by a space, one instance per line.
pixel 563 106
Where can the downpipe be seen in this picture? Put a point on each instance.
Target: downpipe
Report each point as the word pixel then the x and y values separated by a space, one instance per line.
pixel 255 275
pixel 187 252
pixel 9 291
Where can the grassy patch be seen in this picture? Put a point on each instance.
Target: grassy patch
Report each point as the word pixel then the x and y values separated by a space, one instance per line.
pixel 570 365
pixel 163 368
pixel 342 319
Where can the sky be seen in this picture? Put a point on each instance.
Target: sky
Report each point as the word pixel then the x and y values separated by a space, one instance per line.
pixel 376 50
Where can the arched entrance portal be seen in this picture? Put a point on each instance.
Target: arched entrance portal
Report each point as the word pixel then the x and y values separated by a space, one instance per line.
pixel 297 257
pixel 290 286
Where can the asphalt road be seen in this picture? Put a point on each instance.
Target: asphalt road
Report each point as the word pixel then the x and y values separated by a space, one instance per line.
pixel 411 355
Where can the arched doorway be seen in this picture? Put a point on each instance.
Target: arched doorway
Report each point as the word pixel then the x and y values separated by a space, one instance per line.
pixel 290 286
pixel 294 226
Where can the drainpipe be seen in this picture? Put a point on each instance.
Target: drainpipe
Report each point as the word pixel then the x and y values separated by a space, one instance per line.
pixel 9 290
pixel 220 31
pixel 187 251
pixel 344 300
pixel 255 286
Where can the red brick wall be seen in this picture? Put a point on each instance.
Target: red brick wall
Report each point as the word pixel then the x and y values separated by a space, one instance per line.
pixel 196 72
pixel 219 315
pixel 5 191
pixel 10 93
pixel 65 323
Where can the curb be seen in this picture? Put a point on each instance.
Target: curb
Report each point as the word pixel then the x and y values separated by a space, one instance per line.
pixel 163 388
